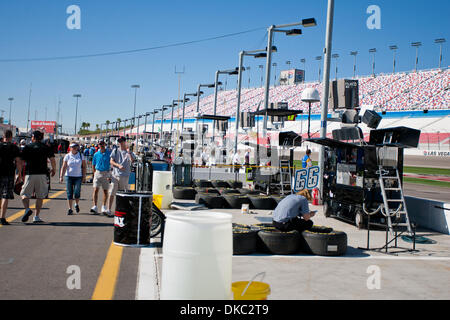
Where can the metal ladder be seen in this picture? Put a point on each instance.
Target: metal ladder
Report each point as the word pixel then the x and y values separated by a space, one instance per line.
pixel 397 190
pixel 285 176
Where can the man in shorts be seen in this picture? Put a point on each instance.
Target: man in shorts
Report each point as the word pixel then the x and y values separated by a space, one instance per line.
pixel 102 175
pixel 10 161
pixel 35 156
pixel 121 160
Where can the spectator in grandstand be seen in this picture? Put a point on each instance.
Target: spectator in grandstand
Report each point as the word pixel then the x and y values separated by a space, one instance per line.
pixel 10 162
pixel 121 160
pixel 35 156
pixel 101 167
pixel 74 171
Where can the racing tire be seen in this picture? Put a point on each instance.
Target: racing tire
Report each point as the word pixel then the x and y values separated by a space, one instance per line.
pixel 278 242
pixel 263 202
pixel 220 184
pixel 212 201
pixel 324 244
pixel 203 183
pixel 244 241
pixel 235 201
pixel 235 184
pixel 278 198
pixel 228 190
pixel 207 190
pixel 248 191
pixel 184 193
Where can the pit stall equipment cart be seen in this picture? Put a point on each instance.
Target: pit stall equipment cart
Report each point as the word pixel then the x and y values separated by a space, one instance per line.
pixel 363 182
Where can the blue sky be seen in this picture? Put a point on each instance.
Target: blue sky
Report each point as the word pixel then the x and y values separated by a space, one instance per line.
pixel 37 29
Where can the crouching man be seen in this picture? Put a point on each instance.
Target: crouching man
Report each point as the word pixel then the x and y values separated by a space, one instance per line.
pixel 292 213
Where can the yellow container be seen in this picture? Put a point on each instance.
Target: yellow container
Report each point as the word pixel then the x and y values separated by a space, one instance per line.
pixel 157 200
pixel 255 291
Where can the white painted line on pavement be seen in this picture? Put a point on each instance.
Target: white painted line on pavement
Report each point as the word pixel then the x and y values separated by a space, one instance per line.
pixel 148 280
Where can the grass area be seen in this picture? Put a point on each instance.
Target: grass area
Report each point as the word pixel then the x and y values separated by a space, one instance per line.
pixel 420 170
pixel 442 184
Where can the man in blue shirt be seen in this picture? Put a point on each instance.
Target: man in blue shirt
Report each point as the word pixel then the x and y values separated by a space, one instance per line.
pixel 306 161
pixel 292 213
pixel 102 176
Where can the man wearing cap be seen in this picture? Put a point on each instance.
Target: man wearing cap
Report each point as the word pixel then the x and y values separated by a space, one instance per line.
pixel 121 160
pixel 35 156
pixel 102 175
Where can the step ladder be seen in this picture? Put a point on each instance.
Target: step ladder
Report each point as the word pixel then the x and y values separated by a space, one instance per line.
pixel 285 176
pixel 393 194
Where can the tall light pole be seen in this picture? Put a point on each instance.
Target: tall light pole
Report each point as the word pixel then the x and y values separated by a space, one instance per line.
pixel 440 41
pixel 77 96
pixel 164 108
pixel 270 48
pixel 319 58
pixel 416 45
pixel 248 69
pixel 217 84
pixel 394 51
pixel 326 89
pixel 274 65
pixel 335 56
pixel 261 67
pixel 354 54
pixel 303 60
pixel 210 85
pixel 184 105
pixel 242 54
pixel 135 87
pixel 373 51
pixel 10 108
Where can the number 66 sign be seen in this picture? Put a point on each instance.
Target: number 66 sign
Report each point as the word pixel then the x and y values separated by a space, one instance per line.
pixel 307 178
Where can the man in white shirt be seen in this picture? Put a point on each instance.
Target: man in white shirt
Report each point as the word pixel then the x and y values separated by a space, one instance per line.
pixel 236 161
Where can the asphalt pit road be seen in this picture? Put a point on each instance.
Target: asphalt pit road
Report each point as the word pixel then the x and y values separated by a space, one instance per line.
pixel 6 261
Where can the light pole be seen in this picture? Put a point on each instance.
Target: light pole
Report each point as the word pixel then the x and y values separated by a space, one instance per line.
pixel 154 112
pixel 135 87
pixel 310 22
pixel 440 41
pixel 248 69
pixel 184 105
pixel 335 56
pixel 217 84
pixel 274 65
pixel 394 62
pixel 261 67
pixel 354 54
pixel 319 58
pixel 77 96
pixel 255 54
pixel 10 108
pixel 164 108
pixel 210 85
pixel 303 60
pixel 416 45
pixel 373 51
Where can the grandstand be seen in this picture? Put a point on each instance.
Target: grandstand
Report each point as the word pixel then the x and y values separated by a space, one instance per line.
pixel 422 90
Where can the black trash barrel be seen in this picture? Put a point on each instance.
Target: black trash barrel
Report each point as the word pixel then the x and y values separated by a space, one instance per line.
pixel 132 219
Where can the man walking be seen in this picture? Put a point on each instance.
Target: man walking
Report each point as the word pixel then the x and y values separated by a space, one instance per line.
pixel 10 161
pixel 121 160
pixel 35 156
pixel 102 175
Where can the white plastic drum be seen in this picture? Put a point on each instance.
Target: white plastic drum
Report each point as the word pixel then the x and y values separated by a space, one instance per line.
pixel 197 256
pixel 162 184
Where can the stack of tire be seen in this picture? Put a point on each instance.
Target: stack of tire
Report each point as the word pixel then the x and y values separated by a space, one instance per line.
pixel 319 240
pixel 235 200
pixel 220 184
pixel 203 184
